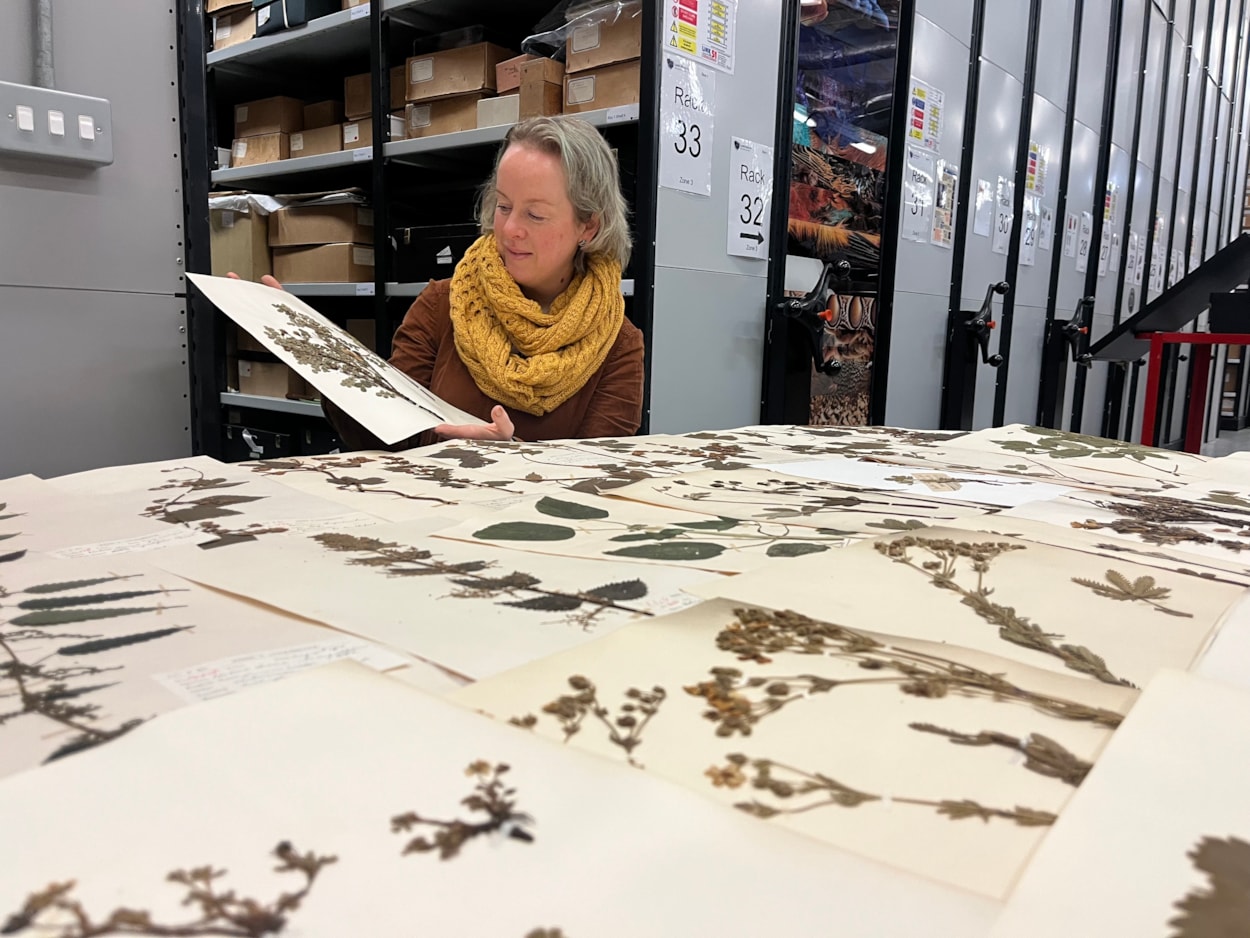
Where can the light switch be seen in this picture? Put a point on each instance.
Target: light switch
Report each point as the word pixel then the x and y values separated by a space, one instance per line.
pixel 56 123
pixel 25 118
pixel 86 127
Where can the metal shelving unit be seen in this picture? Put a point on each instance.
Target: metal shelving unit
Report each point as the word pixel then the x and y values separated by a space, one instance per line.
pixel 276 404
pixel 331 289
pixel 318 44
pixel 237 175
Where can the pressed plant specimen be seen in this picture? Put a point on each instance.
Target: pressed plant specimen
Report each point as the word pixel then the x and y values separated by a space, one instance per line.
pixel 736 702
pixel 1143 589
pixel 221 913
pixel 1220 909
pixel 490 797
pixel 525 590
pixel 942 569
pixel 56 686
pixel 798 791
pixel 203 510
pixel 1041 753
pixel 1061 444
pixel 330 470
pixel 1160 519
pixel 624 730
pixel 7 556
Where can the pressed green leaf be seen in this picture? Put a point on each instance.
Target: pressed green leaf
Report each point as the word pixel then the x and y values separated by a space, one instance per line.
pixel 524 531
pixel 547 603
pixel 724 465
pixel 662 535
pixel 16 555
pixel 64 616
pixel 69 584
pixel 121 641
pixel 195 513
pixel 618 592
pixel 221 501
pixel 671 550
pixel 60 602
pixel 5 537
pixel 712 524
pixel 571 511
pixel 791 549
pixel 7 517
pixel 894 524
pixel 514 581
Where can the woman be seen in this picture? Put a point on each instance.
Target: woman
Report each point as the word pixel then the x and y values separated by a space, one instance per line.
pixel 530 331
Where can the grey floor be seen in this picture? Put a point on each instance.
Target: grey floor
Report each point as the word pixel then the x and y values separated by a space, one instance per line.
pixel 1228 442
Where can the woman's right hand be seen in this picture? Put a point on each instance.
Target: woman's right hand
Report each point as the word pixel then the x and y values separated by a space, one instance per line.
pixel 267 280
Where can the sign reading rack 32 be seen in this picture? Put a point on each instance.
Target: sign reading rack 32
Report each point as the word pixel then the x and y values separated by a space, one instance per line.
pixel 750 193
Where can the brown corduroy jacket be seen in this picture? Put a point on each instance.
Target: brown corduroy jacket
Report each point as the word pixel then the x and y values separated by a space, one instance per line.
pixel 609 404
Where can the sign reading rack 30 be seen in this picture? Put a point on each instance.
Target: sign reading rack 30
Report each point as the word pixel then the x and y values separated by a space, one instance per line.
pixel 750 193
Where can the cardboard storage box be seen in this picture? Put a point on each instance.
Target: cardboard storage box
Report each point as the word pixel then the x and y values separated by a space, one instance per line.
pixel 273 16
pixel 357 134
pixel 358 94
pixel 325 263
pixel 492 112
pixel 542 88
pixel 601 37
pixel 233 27
pixel 444 116
pixel 268 379
pixel 244 341
pixel 431 252
pixel 508 73
pixel 323 114
pixel 321 140
pixel 238 242
pixel 455 71
pixel 610 86
pixel 268 116
pixel 320 224
pixel 216 6
pixel 348 4
pixel 266 148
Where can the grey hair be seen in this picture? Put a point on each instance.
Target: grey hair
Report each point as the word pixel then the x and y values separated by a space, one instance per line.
pixel 592 176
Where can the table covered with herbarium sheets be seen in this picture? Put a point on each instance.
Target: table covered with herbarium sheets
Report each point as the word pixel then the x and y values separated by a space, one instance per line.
pixel 770 680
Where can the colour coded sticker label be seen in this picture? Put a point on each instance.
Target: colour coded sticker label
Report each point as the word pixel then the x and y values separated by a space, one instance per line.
pixel 702 30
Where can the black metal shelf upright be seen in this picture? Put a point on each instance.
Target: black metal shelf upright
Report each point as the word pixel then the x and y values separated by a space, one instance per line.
pixel 310 62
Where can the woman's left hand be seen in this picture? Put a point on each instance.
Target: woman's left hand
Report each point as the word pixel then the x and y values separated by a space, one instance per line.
pixel 501 428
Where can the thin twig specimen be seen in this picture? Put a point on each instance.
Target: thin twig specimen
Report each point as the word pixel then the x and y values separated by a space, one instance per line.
pixel 52 691
pixel 800 784
pixel 490 797
pixel 399 560
pixel 1222 908
pixel 1041 753
pixel 758 633
pixel 942 570
pixel 624 730
pixel 221 913
pixel 1143 589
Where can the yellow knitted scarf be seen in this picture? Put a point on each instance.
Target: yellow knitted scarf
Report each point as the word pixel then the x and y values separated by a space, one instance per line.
pixel 524 358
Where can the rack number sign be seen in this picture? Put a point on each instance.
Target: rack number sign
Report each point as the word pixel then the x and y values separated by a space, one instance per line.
pixel 688 96
pixel 750 193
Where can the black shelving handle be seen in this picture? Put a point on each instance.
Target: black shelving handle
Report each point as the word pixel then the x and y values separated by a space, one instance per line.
pixel 811 311
pixel 979 324
pixel 1077 327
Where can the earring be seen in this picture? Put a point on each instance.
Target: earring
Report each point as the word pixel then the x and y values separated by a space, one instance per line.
pixel 581 245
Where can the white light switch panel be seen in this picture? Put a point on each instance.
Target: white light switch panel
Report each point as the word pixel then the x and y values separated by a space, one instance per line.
pixel 33 125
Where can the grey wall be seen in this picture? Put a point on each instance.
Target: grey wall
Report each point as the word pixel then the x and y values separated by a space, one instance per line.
pixel 92 326
pixel 707 342
pixel 940 52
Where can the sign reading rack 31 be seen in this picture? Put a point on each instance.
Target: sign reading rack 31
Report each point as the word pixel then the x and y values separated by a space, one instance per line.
pixel 750 193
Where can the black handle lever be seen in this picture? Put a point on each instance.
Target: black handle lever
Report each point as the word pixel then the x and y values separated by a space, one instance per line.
pixel 1075 328
pixel 807 310
pixel 980 324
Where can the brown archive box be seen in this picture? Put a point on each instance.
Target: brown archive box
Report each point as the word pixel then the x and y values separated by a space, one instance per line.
pixel 320 224
pixel 444 116
pixel 322 114
pixel 455 71
pixel 319 140
pixel 238 242
pixel 268 116
pixel 610 86
pixel 267 148
pixel 324 263
pixel 216 6
pixel 358 94
pixel 508 73
pixel 542 88
pixel 357 134
pixel 231 27
pixel 600 37
pixel 266 379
